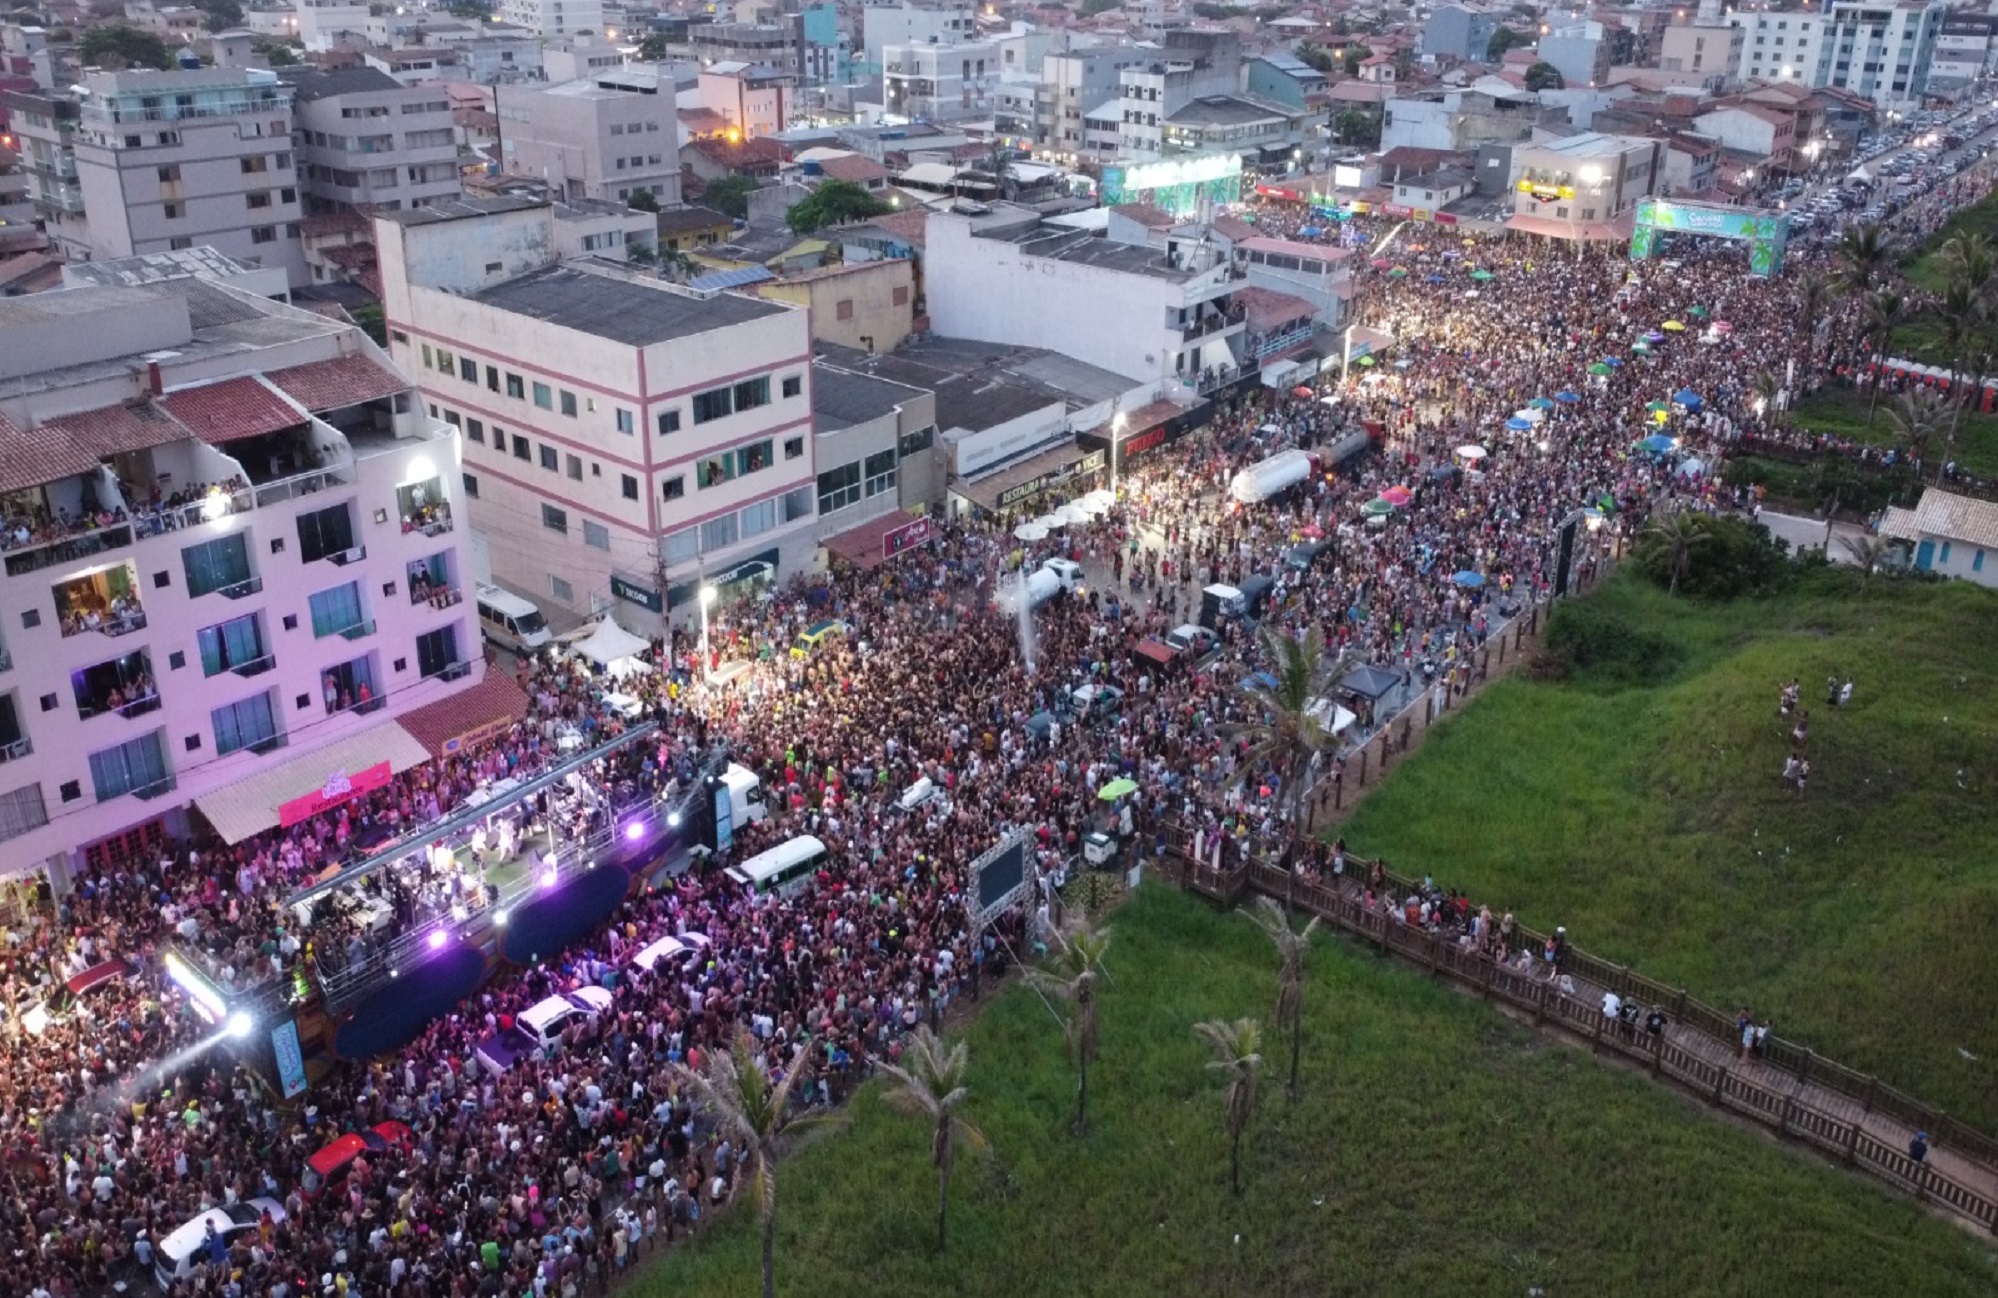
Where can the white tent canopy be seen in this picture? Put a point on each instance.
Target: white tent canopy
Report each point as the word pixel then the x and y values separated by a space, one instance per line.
pixel 610 644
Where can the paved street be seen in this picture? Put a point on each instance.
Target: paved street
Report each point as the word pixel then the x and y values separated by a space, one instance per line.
pixel 1809 533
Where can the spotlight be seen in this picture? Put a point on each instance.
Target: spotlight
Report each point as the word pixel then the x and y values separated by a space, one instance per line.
pixel 499 919
pixel 239 1024
pixel 672 820
pixel 438 939
pixel 634 831
pixel 548 878
pixel 395 973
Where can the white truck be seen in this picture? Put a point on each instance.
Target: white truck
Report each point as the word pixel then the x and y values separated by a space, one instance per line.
pixel 1267 478
pixel 1036 587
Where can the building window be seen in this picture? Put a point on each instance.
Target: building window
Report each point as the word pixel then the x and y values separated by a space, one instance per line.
pixel 843 309
pixel 795 504
pixel 674 488
pixel 214 565
pixel 325 532
pixel 709 406
pixel 468 369
pixel 880 472
pixel 22 810
pixel 475 429
pixel 437 651
pixel 793 385
pixel 794 448
pixel 263 234
pixel 669 422
pixel 170 173
pixel 338 612
pixel 560 588
pixel 759 518
pixel 492 379
pixel 171 211
pixel 516 387
pixel 596 535
pixel 681 546
pixel 718 533
pixel 569 403
pixel 249 724
pixel 733 464
pixel 133 766
pixel 544 396
pixel 551 460
pixel 574 465
pixel 839 487
pixel 521 449
pixel 257 201
pixel 232 646
pixel 554 519
pixel 630 487
pixel 625 423
pixel 471 486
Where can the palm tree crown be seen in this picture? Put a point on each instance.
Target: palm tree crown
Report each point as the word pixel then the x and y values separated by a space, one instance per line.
pixel 1238 1055
pixel 1073 971
pixel 1289 731
pixel 930 1084
pixel 1291 944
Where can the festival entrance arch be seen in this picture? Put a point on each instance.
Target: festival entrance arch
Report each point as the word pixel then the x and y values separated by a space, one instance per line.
pixel 1764 232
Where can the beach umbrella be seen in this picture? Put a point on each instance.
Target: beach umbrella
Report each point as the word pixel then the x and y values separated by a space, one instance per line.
pixel 1614 362
pixel 1567 398
pixel 1688 398
pixel 1398 496
pixel 1031 532
pixel 1403 363
pixel 1529 414
pixel 1656 444
pixel 1469 580
pixel 1380 263
pixel 1655 407
pixel 1051 521
pixel 1101 498
pixel 1600 367
pixel 1072 514
pixel 1301 390
pixel 1376 509
pixel 1472 293
pixel 1481 275
pixel 1689 466
pixel 1653 336
pixel 1674 327
pixel 1518 425
pixel 1641 347
pixel 1697 312
pixel 1541 403
pixel 1366 362
pixel 1472 452
pixel 1116 789
pixel 1398 272
pixel 1433 279
pixel 1311 532
pixel 1723 327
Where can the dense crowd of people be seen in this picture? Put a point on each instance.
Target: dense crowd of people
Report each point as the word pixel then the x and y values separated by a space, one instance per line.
pixel 548 1178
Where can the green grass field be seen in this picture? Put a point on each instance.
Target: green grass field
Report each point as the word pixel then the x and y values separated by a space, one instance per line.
pixel 1438 1149
pixel 1923 268
pixel 1842 412
pixel 1653 822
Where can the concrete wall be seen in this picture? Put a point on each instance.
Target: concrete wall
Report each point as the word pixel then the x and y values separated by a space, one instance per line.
pixel 869 304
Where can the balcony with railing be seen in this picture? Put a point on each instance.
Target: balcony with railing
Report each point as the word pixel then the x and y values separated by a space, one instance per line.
pixel 104 602
pixel 430 582
pixel 51 547
pixel 122 685
pixel 14 749
pixel 423 507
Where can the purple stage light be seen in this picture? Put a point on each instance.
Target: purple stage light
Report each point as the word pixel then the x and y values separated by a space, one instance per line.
pixel 634 831
pixel 438 939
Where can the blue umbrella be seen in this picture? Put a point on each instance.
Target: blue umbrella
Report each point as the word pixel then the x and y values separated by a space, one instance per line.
pixel 1469 580
pixel 1567 398
pixel 1541 403
pixel 1615 361
pixel 1433 279
pixel 1687 398
pixel 1517 425
pixel 1657 444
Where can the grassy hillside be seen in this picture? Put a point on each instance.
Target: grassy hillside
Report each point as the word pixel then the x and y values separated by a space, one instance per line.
pixel 1438 1149
pixel 1653 822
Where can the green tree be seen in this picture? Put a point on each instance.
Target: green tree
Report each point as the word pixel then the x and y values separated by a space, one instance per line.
pixel 220 15
pixel 640 253
pixel 1291 944
pixel 1287 734
pixel 642 201
pixel 1090 8
pixel 1814 294
pixel 1678 534
pixel 729 195
pixel 476 10
pixel 275 54
pixel 1920 417
pixel 117 46
pixel 1505 38
pixel 1238 1056
pixel 1833 483
pixel 930 1084
pixel 1316 56
pixel 373 322
pixel 1544 76
pixel 1862 258
pixel 1357 127
pixel 1352 63
pixel 753 1111
pixel 1885 312
pixel 1072 974
pixel 834 202
pixel 1870 554
pixel 654 48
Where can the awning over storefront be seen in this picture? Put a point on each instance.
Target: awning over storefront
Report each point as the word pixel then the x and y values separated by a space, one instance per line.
pixel 1020 483
pixel 452 724
pixel 870 544
pixel 255 803
pixel 1578 231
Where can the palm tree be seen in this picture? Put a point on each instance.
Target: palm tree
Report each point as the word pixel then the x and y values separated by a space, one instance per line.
pixel 1970 260
pixel 932 1086
pixel 1237 1050
pixel 1073 971
pixel 1679 532
pixel 1768 393
pixel 753 1109
pixel 1862 257
pixel 1000 166
pixel 1885 312
pixel 675 264
pixel 1290 732
pixel 1869 554
pixel 1919 416
pixel 1814 293
pixel 1291 944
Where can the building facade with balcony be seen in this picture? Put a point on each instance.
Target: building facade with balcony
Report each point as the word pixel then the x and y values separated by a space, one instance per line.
pixel 142 162
pixel 627 440
pixel 366 142
pixel 589 140
pixel 942 83
pixel 1585 186
pixel 232 555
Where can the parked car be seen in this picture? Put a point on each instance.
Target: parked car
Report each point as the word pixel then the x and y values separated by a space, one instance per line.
pixel 539 1028
pixel 329 1166
pixel 73 996
pixel 1190 637
pixel 175 1258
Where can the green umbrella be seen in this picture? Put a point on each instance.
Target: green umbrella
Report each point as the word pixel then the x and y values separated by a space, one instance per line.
pixel 1116 789
pixel 1482 274
pixel 1657 406
pixel 1599 368
pixel 1699 311
pixel 1398 272
pixel 1366 362
pixel 1377 508
pixel 1641 347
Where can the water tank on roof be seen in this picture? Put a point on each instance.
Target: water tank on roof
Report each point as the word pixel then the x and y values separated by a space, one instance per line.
pixel 813 167
pixel 189 60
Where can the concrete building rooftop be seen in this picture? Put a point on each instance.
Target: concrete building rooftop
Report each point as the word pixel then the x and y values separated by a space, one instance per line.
pixel 621 310
pixel 842 398
pixel 980 385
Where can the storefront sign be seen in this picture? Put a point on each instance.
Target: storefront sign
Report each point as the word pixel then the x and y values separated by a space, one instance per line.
pixel 626 589
pixel 1396 209
pixel 339 788
pixel 760 567
pixel 477 735
pixel 290 1058
pixel 1141 443
pixel 910 534
pixel 1087 464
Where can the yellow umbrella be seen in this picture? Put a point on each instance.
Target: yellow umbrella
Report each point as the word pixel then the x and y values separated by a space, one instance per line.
pixel 1673 327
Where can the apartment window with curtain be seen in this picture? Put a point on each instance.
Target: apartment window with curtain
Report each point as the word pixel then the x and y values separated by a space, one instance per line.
pixel 232 646
pixel 133 766
pixel 325 531
pixel 249 724
pixel 213 565
pixel 337 611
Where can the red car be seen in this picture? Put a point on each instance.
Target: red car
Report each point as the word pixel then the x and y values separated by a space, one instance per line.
pixel 329 1166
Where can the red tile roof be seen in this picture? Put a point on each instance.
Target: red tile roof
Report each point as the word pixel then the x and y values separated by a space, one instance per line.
pixel 913 226
pixel 854 167
pixel 233 408
pixel 29 458
pixel 1147 215
pixel 329 385
pixel 110 430
pixel 494 702
pixel 1266 308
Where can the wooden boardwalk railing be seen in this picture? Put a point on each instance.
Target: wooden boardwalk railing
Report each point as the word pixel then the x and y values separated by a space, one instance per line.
pixel 1799 1094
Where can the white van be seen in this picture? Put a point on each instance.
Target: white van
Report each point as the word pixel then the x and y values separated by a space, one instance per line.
pixel 785 869
pixel 510 621
pixel 745 795
pixel 917 794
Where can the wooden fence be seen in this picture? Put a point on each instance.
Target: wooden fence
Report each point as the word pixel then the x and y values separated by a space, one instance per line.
pixel 1824 1104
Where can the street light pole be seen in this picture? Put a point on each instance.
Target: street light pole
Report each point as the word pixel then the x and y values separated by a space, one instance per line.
pixel 707 597
pixel 1117 426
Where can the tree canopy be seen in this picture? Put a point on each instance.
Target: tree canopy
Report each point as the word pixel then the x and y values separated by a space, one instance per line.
pixel 1544 76
pixel 1505 38
pixel 832 203
pixel 729 195
pixel 118 46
